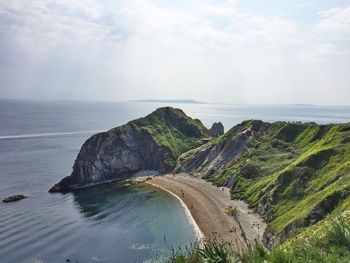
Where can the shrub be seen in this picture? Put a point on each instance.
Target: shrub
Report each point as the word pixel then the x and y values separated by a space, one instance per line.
pixel 339 233
pixel 214 252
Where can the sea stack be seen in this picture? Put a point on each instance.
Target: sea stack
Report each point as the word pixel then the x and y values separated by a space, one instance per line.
pixel 216 129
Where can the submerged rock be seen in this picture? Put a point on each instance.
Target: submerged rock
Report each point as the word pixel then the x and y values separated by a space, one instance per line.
pixel 14 198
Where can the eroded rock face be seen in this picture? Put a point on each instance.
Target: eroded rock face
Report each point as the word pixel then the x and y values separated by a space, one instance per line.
pixel 216 129
pixel 212 157
pixel 114 155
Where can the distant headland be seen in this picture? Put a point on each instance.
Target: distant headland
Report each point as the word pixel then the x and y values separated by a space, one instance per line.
pixel 171 101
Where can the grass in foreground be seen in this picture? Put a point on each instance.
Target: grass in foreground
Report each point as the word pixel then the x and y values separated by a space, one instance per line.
pixel 328 243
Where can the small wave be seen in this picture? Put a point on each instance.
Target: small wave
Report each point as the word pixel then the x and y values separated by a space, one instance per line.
pixel 40 135
pixel 139 246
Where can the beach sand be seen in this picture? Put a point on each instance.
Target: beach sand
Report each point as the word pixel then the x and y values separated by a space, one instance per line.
pixel 207 205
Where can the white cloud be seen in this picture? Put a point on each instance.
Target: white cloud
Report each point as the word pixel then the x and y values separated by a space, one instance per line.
pixel 204 28
pixel 336 19
pixel 140 48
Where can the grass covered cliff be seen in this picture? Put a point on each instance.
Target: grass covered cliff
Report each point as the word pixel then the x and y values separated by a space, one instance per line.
pixel 150 143
pixel 293 174
pixel 172 129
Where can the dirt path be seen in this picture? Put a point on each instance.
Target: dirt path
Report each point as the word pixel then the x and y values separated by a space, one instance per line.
pixel 207 205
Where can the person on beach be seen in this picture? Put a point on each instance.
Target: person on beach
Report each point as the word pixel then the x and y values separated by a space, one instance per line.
pixel 182 193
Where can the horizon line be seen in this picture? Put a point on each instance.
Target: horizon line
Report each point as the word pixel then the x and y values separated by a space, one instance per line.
pixel 174 102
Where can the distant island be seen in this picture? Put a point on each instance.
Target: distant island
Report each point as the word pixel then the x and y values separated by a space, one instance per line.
pixel 171 101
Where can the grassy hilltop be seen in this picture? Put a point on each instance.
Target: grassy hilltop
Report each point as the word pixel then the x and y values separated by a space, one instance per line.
pixel 172 129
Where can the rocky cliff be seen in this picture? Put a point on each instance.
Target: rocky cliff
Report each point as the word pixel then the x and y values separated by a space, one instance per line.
pixel 150 143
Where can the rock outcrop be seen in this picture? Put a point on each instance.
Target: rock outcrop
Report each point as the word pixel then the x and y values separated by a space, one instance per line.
pixel 14 198
pixel 150 143
pixel 216 129
pixel 213 156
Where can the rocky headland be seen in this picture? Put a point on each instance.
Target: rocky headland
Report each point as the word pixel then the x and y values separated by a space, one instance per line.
pixel 151 143
pixel 293 174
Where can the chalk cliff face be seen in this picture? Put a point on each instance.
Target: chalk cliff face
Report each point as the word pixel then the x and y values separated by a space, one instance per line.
pixel 150 143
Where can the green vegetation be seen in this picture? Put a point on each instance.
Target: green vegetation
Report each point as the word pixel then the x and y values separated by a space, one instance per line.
pixel 173 129
pixel 297 176
pixel 327 242
pixel 294 174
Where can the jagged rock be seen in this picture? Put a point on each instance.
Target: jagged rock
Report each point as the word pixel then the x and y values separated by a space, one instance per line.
pixel 216 129
pixel 267 201
pixel 230 182
pixel 14 198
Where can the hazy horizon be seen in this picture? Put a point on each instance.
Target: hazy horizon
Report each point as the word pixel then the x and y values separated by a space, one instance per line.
pixel 229 51
pixel 175 101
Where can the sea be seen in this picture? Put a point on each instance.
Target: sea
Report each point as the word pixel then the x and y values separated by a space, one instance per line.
pixel 39 141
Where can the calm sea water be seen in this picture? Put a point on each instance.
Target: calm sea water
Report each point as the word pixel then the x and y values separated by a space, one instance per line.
pixel 112 223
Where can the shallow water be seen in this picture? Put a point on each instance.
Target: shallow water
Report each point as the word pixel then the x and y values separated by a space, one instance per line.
pixel 111 223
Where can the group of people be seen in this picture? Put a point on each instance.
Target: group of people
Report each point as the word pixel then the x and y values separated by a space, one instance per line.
pixel 182 192
pixel 183 196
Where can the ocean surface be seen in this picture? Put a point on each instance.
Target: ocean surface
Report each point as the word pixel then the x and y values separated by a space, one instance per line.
pixel 39 142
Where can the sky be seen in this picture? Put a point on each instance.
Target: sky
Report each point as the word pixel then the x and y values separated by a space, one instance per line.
pixel 224 51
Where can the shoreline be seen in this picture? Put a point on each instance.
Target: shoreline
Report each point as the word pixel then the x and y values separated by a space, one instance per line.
pixel 199 234
pixel 205 205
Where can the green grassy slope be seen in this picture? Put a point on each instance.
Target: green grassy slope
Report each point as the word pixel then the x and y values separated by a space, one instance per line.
pixel 327 241
pixel 292 173
pixel 173 129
